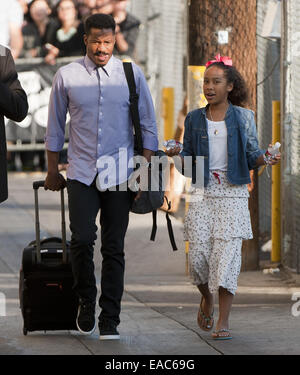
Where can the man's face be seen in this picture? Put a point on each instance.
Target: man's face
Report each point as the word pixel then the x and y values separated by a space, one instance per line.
pixel 100 45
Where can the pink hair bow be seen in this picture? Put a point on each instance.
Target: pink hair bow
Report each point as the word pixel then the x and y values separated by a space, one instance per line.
pixel 218 58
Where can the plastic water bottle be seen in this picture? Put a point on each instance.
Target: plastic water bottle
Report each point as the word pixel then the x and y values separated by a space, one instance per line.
pixel 273 151
pixel 171 143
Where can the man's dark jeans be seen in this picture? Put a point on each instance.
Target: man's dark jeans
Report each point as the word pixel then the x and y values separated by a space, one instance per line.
pixel 84 204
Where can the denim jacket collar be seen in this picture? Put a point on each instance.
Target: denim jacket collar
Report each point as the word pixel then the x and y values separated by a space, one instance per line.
pixel 229 109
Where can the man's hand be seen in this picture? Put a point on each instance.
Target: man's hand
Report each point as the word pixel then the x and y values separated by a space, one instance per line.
pixel 138 196
pixel 54 182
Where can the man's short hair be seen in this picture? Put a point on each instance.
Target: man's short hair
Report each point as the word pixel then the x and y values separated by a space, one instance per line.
pixel 99 21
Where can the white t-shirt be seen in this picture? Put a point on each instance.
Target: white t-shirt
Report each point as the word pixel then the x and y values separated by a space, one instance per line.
pixel 11 15
pixel 217 138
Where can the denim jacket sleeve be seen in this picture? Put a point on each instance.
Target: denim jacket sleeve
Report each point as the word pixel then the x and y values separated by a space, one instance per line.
pixel 187 139
pixel 252 148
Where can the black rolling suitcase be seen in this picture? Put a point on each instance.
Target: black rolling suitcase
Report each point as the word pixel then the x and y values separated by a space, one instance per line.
pixel 47 300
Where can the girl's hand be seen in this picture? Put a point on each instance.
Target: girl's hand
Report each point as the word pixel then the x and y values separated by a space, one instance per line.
pixel 173 151
pixel 276 158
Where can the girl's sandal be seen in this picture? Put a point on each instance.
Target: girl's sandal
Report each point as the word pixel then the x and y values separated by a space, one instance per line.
pixel 221 334
pixel 206 323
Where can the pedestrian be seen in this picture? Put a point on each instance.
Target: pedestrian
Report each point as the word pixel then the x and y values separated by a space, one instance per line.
pixel 13 105
pixel 218 220
pixel 94 90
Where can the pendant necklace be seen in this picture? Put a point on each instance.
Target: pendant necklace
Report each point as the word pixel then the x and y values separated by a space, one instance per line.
pixel 216 131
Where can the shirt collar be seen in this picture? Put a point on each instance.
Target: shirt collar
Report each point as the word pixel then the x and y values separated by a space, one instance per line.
pixel 90 65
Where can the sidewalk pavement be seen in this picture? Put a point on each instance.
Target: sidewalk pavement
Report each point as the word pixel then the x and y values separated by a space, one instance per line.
pixel 160 304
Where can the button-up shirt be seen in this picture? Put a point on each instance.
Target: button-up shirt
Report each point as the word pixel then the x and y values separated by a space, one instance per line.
pixel 100 130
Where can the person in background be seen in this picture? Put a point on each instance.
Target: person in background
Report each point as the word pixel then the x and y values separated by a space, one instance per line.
pixel 11 20
pixel 104 7
pixel 24 6
pixel 13 105
pixel 85 8
pixel 36 31
pixel 127 29
pixel 67 39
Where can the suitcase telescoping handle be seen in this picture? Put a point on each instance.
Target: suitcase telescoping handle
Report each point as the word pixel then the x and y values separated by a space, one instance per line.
pixel 36 186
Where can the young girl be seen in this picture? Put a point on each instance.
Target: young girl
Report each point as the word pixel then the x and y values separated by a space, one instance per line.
pixel 218 220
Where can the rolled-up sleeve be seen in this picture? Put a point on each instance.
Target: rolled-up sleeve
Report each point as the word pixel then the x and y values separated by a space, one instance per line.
pixel 58 107
pixel 252 149
pixel 146 112
pixel 187 147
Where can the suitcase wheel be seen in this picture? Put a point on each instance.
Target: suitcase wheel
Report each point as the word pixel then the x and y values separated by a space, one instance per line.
pixel 25 331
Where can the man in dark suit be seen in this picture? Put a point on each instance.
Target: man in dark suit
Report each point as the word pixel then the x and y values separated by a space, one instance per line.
pixel 13 105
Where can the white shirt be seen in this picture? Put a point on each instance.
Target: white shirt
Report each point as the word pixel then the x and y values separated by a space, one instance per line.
pixel 217 137
pixel 11 15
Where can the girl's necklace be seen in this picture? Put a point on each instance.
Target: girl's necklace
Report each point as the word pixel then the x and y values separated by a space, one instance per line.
pixel 216 131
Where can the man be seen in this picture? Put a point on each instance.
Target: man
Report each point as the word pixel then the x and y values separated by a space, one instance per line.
pixel 95 92
pixel 13 105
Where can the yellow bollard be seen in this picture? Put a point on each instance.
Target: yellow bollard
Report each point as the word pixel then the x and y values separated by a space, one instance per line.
pixel 195 76
pixel 276 222
pixel 168 112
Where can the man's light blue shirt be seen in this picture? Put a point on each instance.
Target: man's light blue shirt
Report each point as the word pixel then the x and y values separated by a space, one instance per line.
pixel 101 130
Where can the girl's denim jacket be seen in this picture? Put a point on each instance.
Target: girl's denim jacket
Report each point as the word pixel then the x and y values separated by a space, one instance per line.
pixel 242 143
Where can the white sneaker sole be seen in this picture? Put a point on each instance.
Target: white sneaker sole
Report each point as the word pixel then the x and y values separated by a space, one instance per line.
pixel 109 337
pixel 85 332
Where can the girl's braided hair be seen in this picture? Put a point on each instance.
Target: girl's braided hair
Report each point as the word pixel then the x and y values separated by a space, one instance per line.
pixel 240 93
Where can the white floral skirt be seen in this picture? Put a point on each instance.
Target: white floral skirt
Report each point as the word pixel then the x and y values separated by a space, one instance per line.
pixel 217 221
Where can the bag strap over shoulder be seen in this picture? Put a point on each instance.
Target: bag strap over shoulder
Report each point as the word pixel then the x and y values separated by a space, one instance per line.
pixel 134 109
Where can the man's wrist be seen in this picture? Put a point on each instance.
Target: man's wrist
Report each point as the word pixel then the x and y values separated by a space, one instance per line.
pixel 53 172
